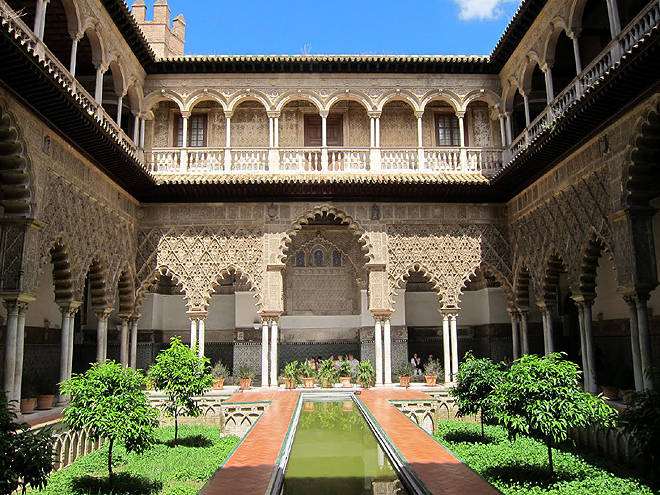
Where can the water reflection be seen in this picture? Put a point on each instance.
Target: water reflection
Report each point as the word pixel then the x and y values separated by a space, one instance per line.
pixel 335 452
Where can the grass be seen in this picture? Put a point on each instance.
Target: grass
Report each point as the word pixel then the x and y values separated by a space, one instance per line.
pixel 520 467
pixel 164 469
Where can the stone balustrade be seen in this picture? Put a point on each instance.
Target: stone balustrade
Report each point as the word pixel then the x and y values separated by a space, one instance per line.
pixel 476 161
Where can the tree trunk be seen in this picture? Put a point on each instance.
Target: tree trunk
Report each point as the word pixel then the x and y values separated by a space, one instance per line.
pixel 176 427
pixel 548 442
pixel 110 463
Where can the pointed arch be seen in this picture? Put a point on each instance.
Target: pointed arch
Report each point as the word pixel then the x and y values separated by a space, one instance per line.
pixel 505 284
pixel 144 285
pixel 521 285
pixel 126 290
pixel 62 274
pixel 590 254
pixel 425 272
pixel 552 267
pixel 242 274
pixel 98 284
pixel 325 211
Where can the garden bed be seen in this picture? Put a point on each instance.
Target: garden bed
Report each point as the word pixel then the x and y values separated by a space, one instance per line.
pixel 521 467
pixel 164 469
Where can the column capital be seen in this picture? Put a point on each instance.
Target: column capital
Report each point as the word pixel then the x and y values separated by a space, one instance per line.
pixel 374 114
pixel 185 114
pixel 635 293
pixel 381 315
pixel 273 114
pixel 16 306
pixel 229 114
pixel 103 313
pixel 583 300
pixel 69 308
pixel 449 311
pixel 197 315
pixel 419 114
pixel 460 114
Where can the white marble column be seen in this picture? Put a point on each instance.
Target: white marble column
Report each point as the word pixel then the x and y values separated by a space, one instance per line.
pixel 120 102
pixel 227 142
pixel 102 334
pixel 378 344
pixel 509 128
pixel 644 338
pixel 502 119
pixel 142 123
pixel 68 311
pixel 20 348
pixel 10 347
pixel 98 90
pixel 264 353
pixel 586 341
pixel 527 116
pixel 201 330
pixel 193 332
pixel 524 332
pixel 387 351
pixel 324 142
pixel 74 54
pixel 134 333
pixel 136 128
pixel 549 88
pixel 454 345
pixel 576 50
pixel 446 343
pixel 184 142
pixel 515 334
pixel 634 344
pixel 273 352
pixel 548 341
pixel 123 341
pixel 40 19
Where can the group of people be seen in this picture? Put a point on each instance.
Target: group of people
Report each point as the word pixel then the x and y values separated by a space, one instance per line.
pixel 353 363
pixel 418 366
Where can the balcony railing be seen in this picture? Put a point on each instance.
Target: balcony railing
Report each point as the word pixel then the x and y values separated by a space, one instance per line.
pixel 62 75
pixel 646 20
pixel 209 161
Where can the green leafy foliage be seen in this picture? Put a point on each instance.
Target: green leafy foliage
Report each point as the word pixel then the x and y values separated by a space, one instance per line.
pixel 366 374
pixel 515 466
pixel 475 380
pixel 404 368
pixel 540 398
pixel 109 400
pixel 291 371
pixel 306 370
pixel 327 372
pixel 642 420
pixel 25 456
pixel 345 368
pixel 434 368
pixel 182 374
pixel 164 469
pixel 220 371
pixel 245 372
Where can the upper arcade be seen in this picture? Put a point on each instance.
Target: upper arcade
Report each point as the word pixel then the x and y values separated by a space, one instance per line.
pixel 177 120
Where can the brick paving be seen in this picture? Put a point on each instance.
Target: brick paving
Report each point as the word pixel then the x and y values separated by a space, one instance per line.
pixel 251 466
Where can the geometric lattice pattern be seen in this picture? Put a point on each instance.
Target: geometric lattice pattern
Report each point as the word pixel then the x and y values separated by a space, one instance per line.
pixel 448 255
pixel 196 258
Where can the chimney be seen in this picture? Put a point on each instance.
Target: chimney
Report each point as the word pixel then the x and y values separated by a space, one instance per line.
pixel 139 10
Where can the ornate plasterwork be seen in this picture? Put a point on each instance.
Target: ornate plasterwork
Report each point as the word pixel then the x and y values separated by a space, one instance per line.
pixel 15 182
pixel 196 257
pixel 90 232
pixel 448 255
pixel 556 227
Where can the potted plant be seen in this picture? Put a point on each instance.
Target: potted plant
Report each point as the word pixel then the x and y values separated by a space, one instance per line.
pixel 307 373
pixel 245 374
pixel 28 394
pixel 365 374
pixel 291 374
pixel 328 373
pixel 345 374
pixel 220 373
pixel 404 371
pixel 432 371
pixel 47 389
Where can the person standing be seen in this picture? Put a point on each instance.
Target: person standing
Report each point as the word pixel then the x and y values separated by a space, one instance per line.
pixel 416 364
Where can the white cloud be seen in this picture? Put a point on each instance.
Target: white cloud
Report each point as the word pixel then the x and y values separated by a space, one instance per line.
pixel 480 9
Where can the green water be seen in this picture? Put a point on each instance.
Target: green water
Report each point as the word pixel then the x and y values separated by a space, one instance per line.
pixel 335 452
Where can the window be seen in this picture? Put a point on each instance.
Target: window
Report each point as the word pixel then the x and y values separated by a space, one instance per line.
pixel 318 257
pixel 447 127
pixel 300 258
pixel 336 258
pixel 196 131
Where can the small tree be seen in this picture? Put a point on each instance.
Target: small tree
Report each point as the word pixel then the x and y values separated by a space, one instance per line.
pixel 540 398
pixel 475 380
pixel 109 400
pixel 182 374
pixel 25 456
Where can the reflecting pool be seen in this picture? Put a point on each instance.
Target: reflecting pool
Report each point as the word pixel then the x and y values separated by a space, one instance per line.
pixel 335 452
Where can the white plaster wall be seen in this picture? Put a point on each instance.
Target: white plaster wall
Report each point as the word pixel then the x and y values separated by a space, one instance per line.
pixel 608 301
pixel 164 312
pixel 246 315
pixel 399 315
pixel 422 309
pixel 44 308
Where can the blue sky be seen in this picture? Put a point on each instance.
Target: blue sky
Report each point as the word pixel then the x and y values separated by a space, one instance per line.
pixel 385 27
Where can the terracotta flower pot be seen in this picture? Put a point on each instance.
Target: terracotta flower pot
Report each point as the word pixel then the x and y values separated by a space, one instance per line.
pixel 45 402
pixel 430 381
pixel 345 381
pixel 404 381
pixel 27 405
pixel 627 396
pixel 245 383
pixel 308 382
pixel 326 383
pixel 219 384
pixel 612 393
pixel 289 383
